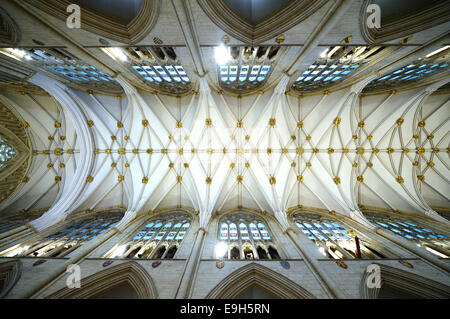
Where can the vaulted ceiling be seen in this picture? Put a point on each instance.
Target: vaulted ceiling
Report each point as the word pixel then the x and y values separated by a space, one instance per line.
pixel 106 133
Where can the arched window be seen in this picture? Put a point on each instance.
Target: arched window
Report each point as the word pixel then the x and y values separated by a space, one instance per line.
pixel 66 240
pixel 334 64
pixel 62 63
pixel 412 72
pixel 248 68
pixel 243 236
pixel 432 241
pixel 333 239
pixel 158 67
pixel 159 238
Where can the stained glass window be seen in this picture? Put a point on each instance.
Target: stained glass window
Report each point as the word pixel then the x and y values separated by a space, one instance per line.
pixel 60 62
pixel 242 233
pixel 332 239
pixel 159 238
pixel 66 240
pixel 410 73
pixel 7 152
pixel 334 65
pixel 431 240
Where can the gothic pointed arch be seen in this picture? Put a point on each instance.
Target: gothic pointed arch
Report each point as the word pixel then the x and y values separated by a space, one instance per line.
pixel 254 274
pixel 10 273
pixel 105 24
pixel 235 22
pixel 15 150
pixel 128 273
pixel 9 31
pixel 406 283
pixel 404 21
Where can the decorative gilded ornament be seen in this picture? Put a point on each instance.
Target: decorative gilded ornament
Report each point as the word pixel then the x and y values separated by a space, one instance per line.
pixel 272 122
pixel 247 164
pixel 300 124
pixel 308 164
pixel 272 180
pixel 360 179
pixel 337 121
pixel 400 121
pixel 293 164
pixel 284 150
pixel 126 137
pixel 145 180
pixel 360 150
pixel 361 124
pixel 208 122
pixel 300 178
pixel 239 124
pixel 431 164
pixel 57 152
pixel 119 124
pixel 113 165
pixel 421 124
pixel 354 164
pixel 57 179
pixel 337 180
pixel 420 150
pixel 330 151
pixel 232 165
pixel 239 179
pixel 355 137
pixel 121 151
pixel 135 151
pixel 89 179
pixel 421 178
pixel 49 165
pixel 90 123
pixel 120 178
pixel 179 179
pixel 308 138
pixel 400 179
pixel 145 123
pixel 25 124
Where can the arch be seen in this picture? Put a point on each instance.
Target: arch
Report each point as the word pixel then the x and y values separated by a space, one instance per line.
pixel 130 273
pixel 277 22
pixel 103 25
pixel 255 274
pixel 404 25
pixel 9 31
pixel 405 282
pixel 10 273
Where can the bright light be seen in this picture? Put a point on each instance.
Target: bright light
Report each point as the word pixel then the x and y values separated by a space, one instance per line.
pixel 322 250
pixel 222 55
pixel 119 251
pixel 116 53
pixel 431 250
pixel 437 51
pixel 324 53
pixel 333 51
pixel 221 249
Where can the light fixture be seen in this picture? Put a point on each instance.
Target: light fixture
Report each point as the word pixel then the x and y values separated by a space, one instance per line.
pixel 16 54
pixel 221 249
pixel 437 51
pixel 222 54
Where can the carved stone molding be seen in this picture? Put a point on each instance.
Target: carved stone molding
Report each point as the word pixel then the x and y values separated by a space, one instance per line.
pixel 129 272
pixel 107 27
pixel 405 281
pixel 280 21
pixel 9 31
pixel 10 273
pixel 12 130
pixel 405 25
pixel 255 274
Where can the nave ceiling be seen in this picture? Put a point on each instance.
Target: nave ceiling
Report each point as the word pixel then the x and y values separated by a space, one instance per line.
pixel 128 141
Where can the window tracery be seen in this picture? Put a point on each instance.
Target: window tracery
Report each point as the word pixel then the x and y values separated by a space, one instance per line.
pixel 333 239
pixel 334 64
pixel 68 239
pixel 157 66
pixel 159 238
pixel 248 68
pixel 432 241
pixel 245 237
pixel 413 72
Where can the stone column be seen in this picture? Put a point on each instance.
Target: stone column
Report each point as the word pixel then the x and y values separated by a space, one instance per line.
pixel 185 285
pixel 310 254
